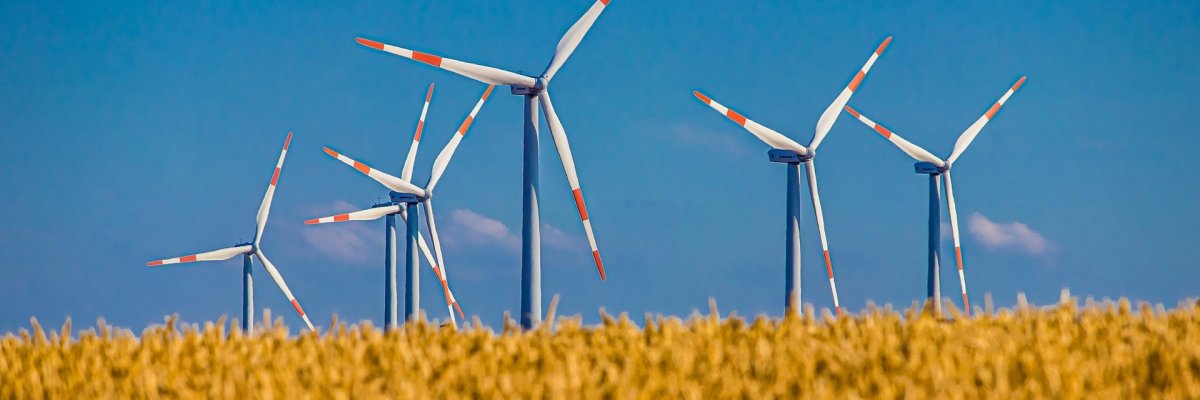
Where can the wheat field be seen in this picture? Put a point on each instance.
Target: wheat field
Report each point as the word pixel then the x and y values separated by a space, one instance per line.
pixel 1064 351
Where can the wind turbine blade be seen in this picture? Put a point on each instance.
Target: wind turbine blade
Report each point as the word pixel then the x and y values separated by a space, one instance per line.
pixel 811 167
pixel 767 135
pixel 494 76
pixel 962 280
pixel 968 135
pixel 361 215
pixel 262 258
pixel 564 153
pixel 571 39
pixel 437 251
pixel 215 255
pixel 907 147
pixel 443 158
pixel 264 209
pixel 406 172
pixel 831 113
pixel 433 264
pixel 383 178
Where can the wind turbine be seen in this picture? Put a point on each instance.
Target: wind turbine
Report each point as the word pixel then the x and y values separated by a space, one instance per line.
pixel 931 165
pixel 404 193
pixel 251 249
pixel 535 89
pixel 787 151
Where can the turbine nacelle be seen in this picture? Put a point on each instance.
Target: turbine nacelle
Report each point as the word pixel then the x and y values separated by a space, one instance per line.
pixel 400 197
pixel 789 156
pixel 928 168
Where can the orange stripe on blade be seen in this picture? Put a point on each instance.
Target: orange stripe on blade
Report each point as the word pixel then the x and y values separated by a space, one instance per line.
pixel 187 258
pixel 857 80
pixel 966 305
pixel 429 94
pixel 488 92
pixel 341 217
pixel 828 265
pixel 369 43
pixel 992 112
pixel 1019 83
pixel 330 152
pixel 879 51
pixel 362 168
pixel 599 264
pixel 702 97
pixel 288 141
pixel 296 304
pixel 427 58
pixel 741 120
pixel 852 112
pixel 420 127
pixel 605 2
pixel 312 221
pixel 154 263
pixel 958 256
pixel 578 193
pixel 275 177
pixel 883 131
pixel 462 129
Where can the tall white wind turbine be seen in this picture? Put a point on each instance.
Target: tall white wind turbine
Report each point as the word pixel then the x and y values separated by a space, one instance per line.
pixel 787 151
pixel 536 91
pixel 404 199
pixel 246 250
pixel 931 165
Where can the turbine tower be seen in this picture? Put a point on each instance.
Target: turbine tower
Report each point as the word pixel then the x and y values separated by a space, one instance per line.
pixel 536 90
pixel 929 164
pixel 251 249
pixel 404 199
pixel 787 151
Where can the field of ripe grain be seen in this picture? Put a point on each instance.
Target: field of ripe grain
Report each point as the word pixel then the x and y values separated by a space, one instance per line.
pixel 1098 350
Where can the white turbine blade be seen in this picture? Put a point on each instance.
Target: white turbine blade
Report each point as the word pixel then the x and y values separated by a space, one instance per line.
pixel 383 178
pixel 767 135
pixel 564 154
pixel 406 172
pixel 571 39
pixel 816 200
pixel 443 158
pixel 914 151
pixel 432 263
pixel 962 280
pixel 215 255
pixel 264 209
pixel 494 76
pixel 831 113
pixel 283 286
pixel 968 135
pixel 451 303
pixel 361 215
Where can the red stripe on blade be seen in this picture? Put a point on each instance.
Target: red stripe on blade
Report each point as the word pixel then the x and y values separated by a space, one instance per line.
pixel 330 152
pixel 852 112
pixel 341 217
pixel 429 94
pixel 154 263
pixel 362 168
pixel 578 193
pixel 297 305
pixel 958 255
pixel 312 221
pixel 420 126
pixel 879 51
pixel 369 43
pixel 427 58
pixel 462 129
pixel 488 92
pixel 966 305
pixel 883 131
pixel 702 97
pixel 828 265
pixel 599 264
pixel 275 177
pixel 605 1
pixel 1019 83
pixel 187 258
pixel 992 112
pixel 741 120
pixel 857 80
pixel 288 141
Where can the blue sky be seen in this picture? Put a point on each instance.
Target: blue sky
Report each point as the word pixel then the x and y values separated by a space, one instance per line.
pixel 132 132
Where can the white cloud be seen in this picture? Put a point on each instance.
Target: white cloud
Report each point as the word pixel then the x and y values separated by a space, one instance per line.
pixel 355 241
pixel 476 229
pixel 471 228
pixel 1001 235
pixel 704 136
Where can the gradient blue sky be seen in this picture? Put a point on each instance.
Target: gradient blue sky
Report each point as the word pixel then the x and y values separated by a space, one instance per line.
pixel 132 132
